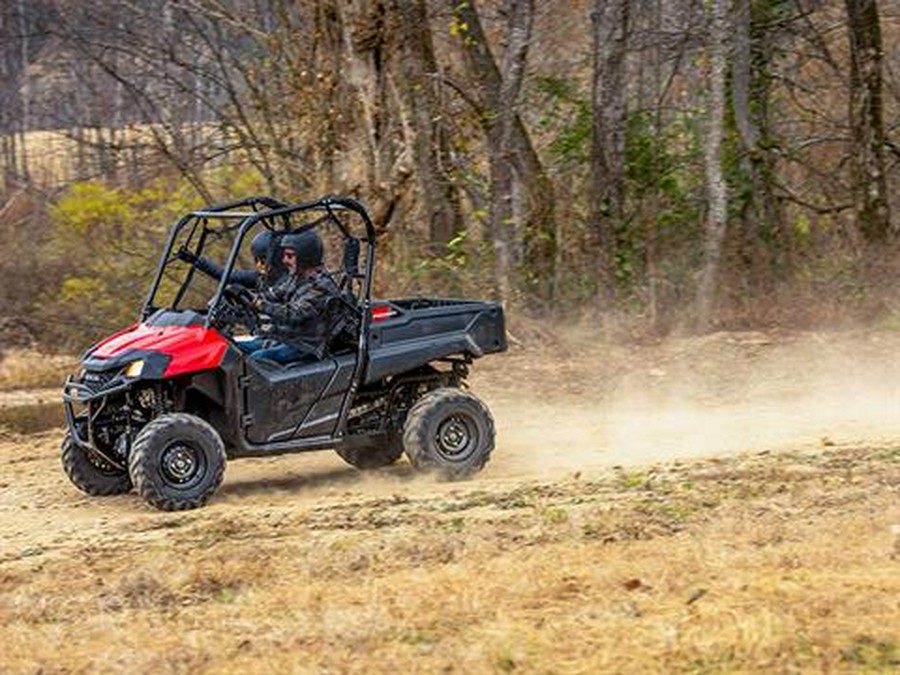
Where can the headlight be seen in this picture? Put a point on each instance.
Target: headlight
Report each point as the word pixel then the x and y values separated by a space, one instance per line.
pixel 134 369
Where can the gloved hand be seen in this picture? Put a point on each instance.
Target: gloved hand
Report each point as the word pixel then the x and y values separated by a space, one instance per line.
pixel 257 301
pixel 186 256
pixel 241 295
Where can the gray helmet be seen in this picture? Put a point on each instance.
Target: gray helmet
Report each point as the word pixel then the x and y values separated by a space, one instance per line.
pixel 307 245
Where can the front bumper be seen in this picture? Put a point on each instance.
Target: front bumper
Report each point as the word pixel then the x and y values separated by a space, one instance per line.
pixel 76 392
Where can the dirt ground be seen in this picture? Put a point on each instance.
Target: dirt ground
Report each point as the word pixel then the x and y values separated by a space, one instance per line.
pixel 724 504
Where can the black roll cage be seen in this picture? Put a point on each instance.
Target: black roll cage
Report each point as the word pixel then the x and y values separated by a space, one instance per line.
pixel 273 209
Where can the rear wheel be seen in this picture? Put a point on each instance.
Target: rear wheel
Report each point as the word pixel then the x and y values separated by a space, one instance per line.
pixel 449 431
pixel 177 462
pixel 90 473
pixel 372 453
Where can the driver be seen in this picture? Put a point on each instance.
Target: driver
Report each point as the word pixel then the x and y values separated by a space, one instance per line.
pixel 296 304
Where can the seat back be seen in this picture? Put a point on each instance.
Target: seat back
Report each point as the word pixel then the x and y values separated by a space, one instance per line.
pixel 350 265
pixel 343 320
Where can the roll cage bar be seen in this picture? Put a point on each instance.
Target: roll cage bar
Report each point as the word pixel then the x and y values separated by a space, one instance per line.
pixel 272 210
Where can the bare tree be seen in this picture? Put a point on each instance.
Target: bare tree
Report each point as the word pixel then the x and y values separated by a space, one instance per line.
pixel 750 89
pixel 867 119
pixel 369 50
pixel 716 219
pixel 420 83
pixel 610 42
pixel 7 89
pixel 24 86
pixel 512 158
pixel 502 219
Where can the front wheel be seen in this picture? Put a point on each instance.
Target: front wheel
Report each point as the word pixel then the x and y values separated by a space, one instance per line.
pixel 177 461
pixel 449 431
pixel 91 473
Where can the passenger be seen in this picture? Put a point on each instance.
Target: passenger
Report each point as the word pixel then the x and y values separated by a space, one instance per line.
pixel 266 257
pixel 297 305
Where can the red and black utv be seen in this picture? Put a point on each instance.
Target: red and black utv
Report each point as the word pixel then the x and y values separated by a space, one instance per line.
pixel 159 406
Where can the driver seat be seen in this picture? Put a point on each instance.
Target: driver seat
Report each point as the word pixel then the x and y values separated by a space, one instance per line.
pixel 343 319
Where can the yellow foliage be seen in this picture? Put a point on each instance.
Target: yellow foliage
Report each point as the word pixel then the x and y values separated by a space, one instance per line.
pixel 88 205
pixel 76 289
pixel 241 182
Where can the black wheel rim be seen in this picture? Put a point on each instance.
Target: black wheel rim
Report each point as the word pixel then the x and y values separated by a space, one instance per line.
pixel 457 437
pixel 102 465
pixel 182 465
pixel 95 459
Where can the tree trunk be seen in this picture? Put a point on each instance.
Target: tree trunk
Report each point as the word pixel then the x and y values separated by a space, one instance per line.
pixel 867 120
pixel 610 21
pixel 431 148
pixel 25 93
pixel 6 154
pixel 652 208
pixel 748 135
pixel 750 80
pixel 715 180
pixel 502 216
pixel 518 159
pixel 539 232
pixel 367 36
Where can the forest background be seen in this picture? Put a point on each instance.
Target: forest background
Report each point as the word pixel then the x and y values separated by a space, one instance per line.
pixel 658 165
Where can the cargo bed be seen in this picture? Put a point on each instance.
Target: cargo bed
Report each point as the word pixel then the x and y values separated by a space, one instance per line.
pixel 406 334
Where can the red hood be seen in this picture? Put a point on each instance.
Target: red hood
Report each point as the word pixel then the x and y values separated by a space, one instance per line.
pixel 190 348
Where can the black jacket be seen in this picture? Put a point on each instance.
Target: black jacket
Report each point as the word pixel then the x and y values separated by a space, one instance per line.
pixel 249 278
pixel 299 310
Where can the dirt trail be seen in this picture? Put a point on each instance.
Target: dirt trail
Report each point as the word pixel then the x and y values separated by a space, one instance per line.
pixel 575 408
pixel 552 558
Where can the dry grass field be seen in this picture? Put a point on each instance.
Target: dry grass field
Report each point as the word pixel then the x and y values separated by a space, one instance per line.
pixel 26 370
pixel 53 155
pixel 728 504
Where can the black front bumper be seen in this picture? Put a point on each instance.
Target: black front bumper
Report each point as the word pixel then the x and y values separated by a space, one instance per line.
pixel 75 392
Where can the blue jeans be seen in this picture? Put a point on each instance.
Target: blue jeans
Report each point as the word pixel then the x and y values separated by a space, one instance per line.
pixel 250 346
pixel 278 352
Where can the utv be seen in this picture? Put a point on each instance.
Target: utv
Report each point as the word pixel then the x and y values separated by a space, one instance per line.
pixel 162 404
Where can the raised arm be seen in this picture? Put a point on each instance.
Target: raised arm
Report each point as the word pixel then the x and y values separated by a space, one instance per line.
pixel 246 278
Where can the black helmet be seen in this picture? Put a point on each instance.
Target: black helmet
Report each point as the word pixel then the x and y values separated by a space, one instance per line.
pixel 259 247
pixel 267 247
pixel 308 246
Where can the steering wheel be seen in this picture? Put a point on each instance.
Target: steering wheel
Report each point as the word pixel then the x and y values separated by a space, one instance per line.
pixel 237 308
pixel 238 295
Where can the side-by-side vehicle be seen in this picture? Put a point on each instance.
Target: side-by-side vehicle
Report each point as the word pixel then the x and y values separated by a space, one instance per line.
pixel 159 406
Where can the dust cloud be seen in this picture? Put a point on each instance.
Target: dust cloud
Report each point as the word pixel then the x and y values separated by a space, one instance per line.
pixel 721 394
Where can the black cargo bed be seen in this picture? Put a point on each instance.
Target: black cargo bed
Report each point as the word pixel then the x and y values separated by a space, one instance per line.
pixel 416 331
